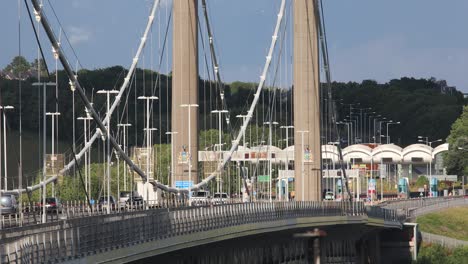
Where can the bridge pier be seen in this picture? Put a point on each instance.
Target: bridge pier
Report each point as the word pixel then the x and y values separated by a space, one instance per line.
pixel 185 91
pixel 306 96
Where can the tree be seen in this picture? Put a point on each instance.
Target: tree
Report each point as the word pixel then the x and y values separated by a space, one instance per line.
pixel 35 66
pixel 456 159
pixel 18 66
pixel 421 181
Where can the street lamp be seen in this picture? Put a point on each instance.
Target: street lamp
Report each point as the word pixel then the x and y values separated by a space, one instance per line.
pixel 148 137
pixel 430 160
pixel 85 128
pixel 244 117
pixel 270 128
pixel 347 126
pixel 189 106
pixel 52 159
pixel 380 127
pixel 369 124
pixel 287 162
pixel 44 139
pixel 108 93
pixel 220 124
pixel 125 128
pixel 302 132
pixel 463 176
pixel 5 108
pixel 172 135
pixel 388 124
pixel 423 139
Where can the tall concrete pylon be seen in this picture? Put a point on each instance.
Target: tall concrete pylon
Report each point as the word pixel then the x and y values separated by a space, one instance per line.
pixel 308 178
pixel 185 89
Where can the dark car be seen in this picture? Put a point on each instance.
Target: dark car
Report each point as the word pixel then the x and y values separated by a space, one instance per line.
pixel 52 204
pixel 102 202
pixel 135 199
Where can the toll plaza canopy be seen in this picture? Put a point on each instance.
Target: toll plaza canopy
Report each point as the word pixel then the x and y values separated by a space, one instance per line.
pixel 359 153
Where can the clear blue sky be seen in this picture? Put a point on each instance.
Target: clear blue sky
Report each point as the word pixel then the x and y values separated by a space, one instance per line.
pixel 367 39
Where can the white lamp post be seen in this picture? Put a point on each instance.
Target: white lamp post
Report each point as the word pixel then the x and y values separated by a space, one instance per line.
pixel 388 124
pixel 5 108
pixel 52 158
pixel 125 128
pixel 147 99
pixel 108 93
pixel 220 113
pixel 244 117
pixel 86 120
pixel 270 128
pixel 44 139
pixel 287 161
pixel 189 106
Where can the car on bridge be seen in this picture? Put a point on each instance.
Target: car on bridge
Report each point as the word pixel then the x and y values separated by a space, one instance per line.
pixel 329 196
pixel 200 197
pixel 220 198
pixel 8 205
pixel 52 204
pixel 102 202
pixel 129 198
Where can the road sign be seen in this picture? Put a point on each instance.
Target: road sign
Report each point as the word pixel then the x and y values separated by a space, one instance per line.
pixel 263 178
pixel 183 184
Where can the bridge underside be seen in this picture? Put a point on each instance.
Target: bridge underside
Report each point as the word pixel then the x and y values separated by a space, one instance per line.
pixel 349 239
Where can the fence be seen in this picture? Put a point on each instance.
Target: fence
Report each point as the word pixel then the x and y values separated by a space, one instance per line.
pixel 443 204
pixel 418 202
pixel 442 240
pixel 76 237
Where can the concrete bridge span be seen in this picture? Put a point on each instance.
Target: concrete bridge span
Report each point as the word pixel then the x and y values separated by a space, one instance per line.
pixel 130 236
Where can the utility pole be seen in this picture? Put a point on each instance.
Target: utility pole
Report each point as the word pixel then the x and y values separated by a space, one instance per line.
pixel 44 139
pixel 108 93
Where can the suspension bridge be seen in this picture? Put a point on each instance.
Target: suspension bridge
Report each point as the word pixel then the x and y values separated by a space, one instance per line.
pixel 276 161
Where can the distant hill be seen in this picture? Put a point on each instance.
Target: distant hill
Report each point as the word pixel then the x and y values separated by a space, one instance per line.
pixel 425 107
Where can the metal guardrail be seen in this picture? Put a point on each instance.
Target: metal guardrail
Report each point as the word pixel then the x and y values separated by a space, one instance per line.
pixel 443 240
pixel 443 204
pixel 418 202
pixel 74 238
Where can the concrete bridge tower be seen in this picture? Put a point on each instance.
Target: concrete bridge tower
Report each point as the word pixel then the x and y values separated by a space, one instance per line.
pixel 308 178
pixel 185 90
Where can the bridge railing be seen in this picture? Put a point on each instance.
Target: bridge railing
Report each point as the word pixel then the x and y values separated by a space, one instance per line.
pixel 389 215
pixel 77 237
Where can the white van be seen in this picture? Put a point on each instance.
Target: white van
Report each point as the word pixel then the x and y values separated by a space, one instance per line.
pixel 200 197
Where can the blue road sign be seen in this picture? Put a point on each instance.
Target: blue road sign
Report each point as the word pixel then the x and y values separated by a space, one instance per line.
pixel 183 184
